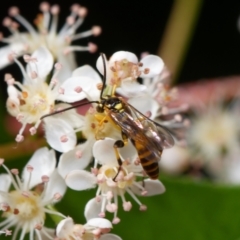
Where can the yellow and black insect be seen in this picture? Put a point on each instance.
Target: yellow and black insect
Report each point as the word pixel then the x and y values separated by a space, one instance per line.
pixel 148 137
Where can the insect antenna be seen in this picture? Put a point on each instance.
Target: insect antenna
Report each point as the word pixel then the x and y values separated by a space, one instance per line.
pixel 66 109
pixel 104 76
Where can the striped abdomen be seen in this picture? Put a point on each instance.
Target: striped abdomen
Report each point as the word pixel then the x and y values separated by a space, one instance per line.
pixel 149 159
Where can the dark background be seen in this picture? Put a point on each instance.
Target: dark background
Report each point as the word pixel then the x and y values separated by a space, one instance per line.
pixel 137 27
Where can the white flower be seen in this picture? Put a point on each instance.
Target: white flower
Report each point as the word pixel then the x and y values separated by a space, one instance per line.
pixel 123 69
pixel 46 35
pixel 25 206
pixel 113 182
pixel 214 133
pixel 96 228
pixel 34 98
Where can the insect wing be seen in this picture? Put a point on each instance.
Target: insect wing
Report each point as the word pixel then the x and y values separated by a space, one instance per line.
pixel 156 134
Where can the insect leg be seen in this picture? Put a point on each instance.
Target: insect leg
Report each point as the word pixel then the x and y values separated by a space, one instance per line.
pixel 119 144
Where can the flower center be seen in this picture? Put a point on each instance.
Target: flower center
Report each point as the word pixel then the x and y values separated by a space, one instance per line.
pixel 124 69
pixel 36 101
pixel 26 206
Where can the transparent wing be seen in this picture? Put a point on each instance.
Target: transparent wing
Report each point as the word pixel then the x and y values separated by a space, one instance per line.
pixel 140 128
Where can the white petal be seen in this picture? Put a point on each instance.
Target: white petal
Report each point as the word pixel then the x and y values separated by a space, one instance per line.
pixel 5 182
pixel 55 185
pixel 64 227
pixel 128 152
pixel 44 63
pixel 68 63
pixel 88 85
pixel 109 236
pixel 70 116
pixel 121 55
pixel 80 180
pixel 69 160
pixel 145 104
pixel 154 63
pixel 55 129
pixel 153 187
pixel 131 89
pixel 43 162
pixel 99 223
pixel 86 71
pixel 92 209
pixel 103 151
pixel 6 50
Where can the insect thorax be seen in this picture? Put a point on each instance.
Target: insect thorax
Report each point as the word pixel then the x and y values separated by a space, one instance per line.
pixel 114 104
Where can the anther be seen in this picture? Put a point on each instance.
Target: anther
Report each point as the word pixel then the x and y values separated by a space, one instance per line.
pixel 116 220
pixel 8 232
pixel 19 138
pixel 33 130
pixel 112 207
pixel 25 194
pixel 94 171
pixel 58 66
pixel 99 86
pixel 1 161
pixel 78 154
pixel 78 89
pixel 15 171
pixel 70 20
pixel 34 75
pixel 4 207
pixel 57 196
pixel 75 7
pixel 96 232
pixel 45 178
pixel 144 193
pixel 7 22
pixel 109 195
pixel 38 226
pixel 101 214
pixel 146 70
pixel 148 114
pixel 143 208
pixel 140 64
pixel 9 79
pixel 82 12
pixel 29 168
pixel 127 206
pixel 55 9
pixel 14 25
pixel 13 11
pixel 98 199
pixel 92 48
pixel 64 138
pixel 44 7
pixel 61 90
pixel 96 30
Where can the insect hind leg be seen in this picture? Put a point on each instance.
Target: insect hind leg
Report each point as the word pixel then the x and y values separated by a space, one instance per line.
pixel 119 144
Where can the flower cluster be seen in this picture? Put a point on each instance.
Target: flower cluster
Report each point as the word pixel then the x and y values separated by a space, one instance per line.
pixel 122 127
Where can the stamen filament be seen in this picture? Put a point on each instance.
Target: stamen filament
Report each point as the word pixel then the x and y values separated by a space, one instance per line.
pixel 82 35
pixel 27 25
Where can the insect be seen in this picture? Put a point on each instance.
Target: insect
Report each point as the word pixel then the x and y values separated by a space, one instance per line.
pixel 148 137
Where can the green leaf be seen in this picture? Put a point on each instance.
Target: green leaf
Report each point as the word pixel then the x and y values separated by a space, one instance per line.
pixel 188 210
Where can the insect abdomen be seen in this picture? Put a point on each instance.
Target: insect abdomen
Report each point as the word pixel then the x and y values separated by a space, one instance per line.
pixel 148 159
